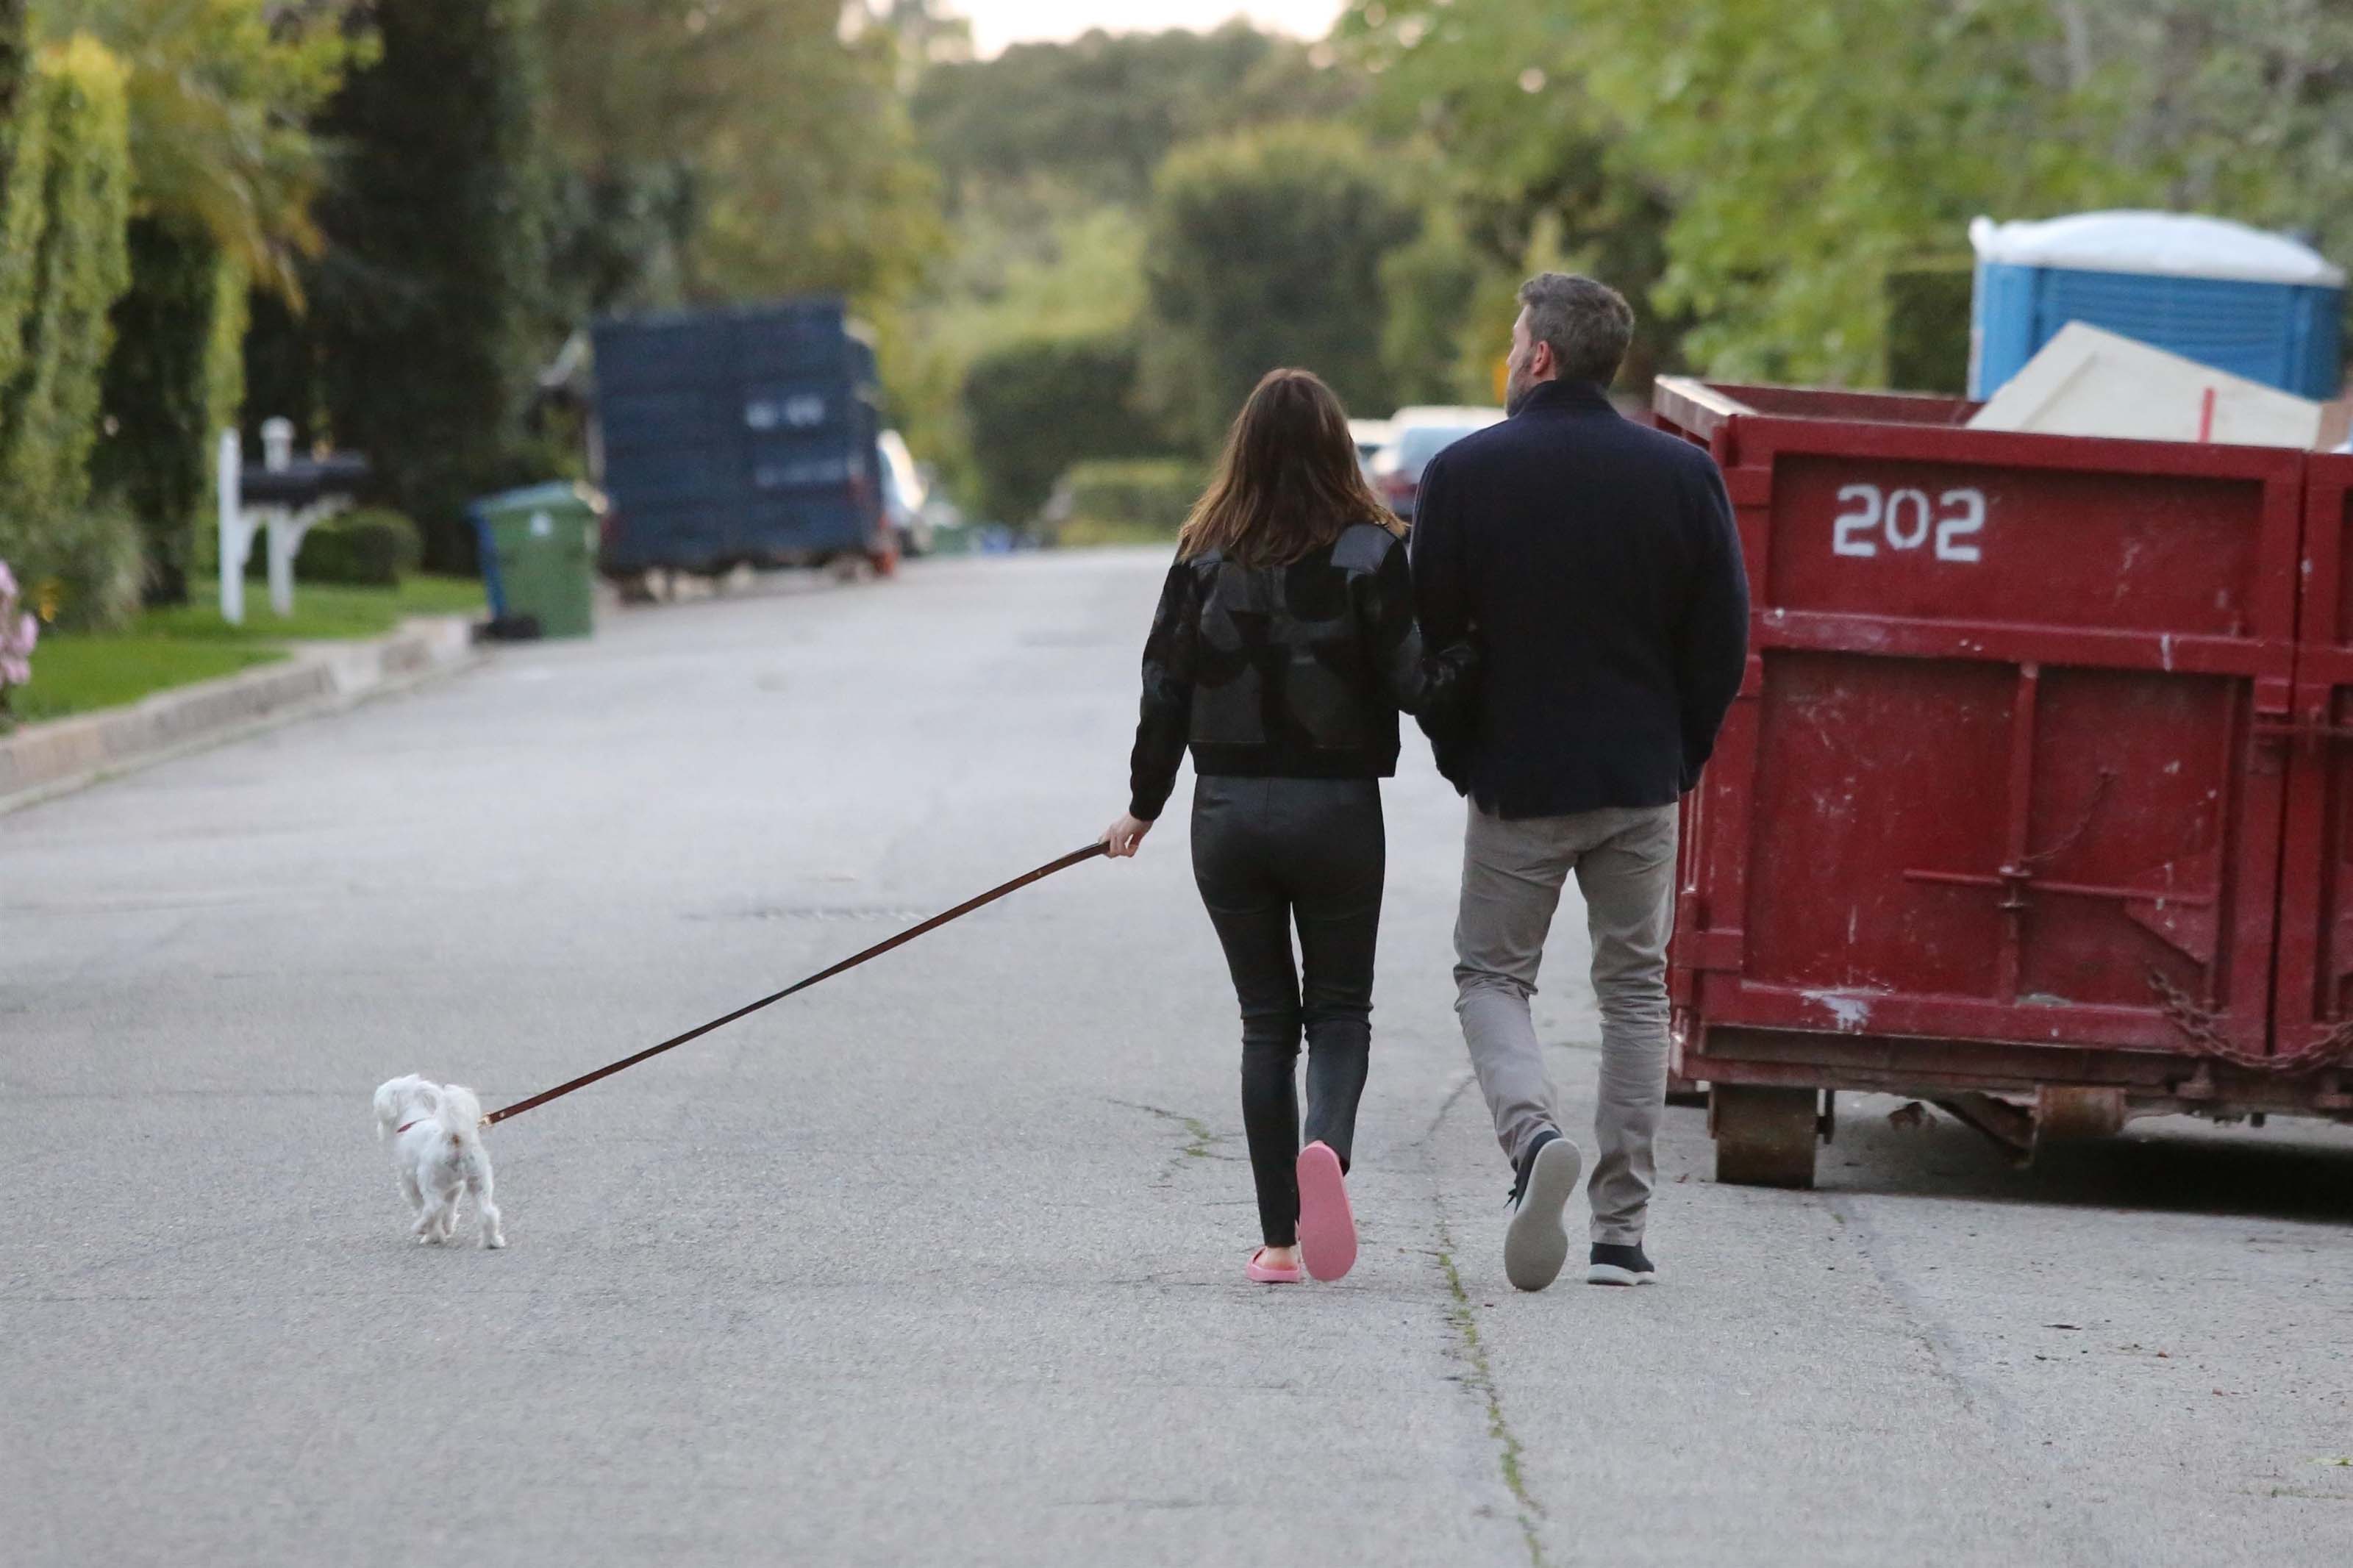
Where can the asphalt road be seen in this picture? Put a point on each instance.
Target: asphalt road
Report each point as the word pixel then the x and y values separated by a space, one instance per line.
pixel 942 1262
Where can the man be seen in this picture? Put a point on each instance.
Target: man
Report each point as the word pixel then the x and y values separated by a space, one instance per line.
pixel 1596 562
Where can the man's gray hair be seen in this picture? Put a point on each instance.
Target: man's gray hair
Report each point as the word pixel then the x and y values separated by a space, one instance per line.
pixel 1588 324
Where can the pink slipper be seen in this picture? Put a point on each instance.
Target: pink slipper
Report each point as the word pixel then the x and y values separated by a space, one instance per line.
pixel 1327 1228
pixel 1268 1274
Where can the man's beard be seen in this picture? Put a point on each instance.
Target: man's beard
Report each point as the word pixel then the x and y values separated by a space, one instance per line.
pixel 1516 387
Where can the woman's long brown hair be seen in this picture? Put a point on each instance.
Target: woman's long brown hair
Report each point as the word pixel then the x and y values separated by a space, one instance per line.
pixel 1288 483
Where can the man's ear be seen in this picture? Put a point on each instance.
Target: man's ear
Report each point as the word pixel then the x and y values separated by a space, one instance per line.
pixel 1543 363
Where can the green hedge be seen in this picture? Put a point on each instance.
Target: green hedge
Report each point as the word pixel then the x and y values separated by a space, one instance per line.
pixel 70 158
pixel 1034 407
pixel 374 548
pixel 1125 502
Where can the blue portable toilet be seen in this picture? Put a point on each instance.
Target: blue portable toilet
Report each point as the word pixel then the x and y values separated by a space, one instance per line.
pixel 2258 305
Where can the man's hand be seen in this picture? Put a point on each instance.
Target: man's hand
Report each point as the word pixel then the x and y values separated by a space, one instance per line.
pixel 1125 837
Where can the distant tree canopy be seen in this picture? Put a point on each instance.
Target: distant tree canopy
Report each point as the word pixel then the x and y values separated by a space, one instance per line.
pixel 1751 170
pixel 730 149
pixel 1102 112
pixel 1266 250
pixel 1045 157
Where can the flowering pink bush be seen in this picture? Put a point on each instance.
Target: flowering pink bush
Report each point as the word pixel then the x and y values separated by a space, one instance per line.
pixel 18 632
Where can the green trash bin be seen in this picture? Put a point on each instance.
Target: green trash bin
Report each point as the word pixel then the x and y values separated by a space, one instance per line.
pixel 539 555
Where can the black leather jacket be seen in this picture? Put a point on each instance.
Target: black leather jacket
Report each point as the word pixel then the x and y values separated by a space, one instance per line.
pixel 1293 671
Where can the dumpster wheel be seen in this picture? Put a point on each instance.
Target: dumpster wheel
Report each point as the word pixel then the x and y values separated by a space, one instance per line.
pixel 1764 1137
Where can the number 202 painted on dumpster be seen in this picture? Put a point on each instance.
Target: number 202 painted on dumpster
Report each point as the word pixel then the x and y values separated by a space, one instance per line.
pixel 1906 521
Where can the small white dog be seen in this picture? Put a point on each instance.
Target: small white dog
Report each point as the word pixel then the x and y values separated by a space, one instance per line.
pixel 435 1133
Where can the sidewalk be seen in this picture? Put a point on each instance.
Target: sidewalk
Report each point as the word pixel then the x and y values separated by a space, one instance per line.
pixel 42 760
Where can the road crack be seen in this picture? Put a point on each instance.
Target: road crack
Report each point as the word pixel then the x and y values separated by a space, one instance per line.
pixel 1479 1377
pixel 1200 1139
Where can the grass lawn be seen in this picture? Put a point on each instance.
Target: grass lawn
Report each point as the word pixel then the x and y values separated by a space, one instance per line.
pixel 163 648
pixel 321 610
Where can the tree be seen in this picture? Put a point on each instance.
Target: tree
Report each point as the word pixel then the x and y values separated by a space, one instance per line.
pixel 1046 155
pixel 68 200
pixel 224 170
pixel 1748 168
pixel 1792 153
pixel 2239 107
pixel 731 149
pixel 221 94
pixel 172 383
pixel 428 307
pixel 19 164
pixel 1527 171
pixel 1103 111
pixel 1266 250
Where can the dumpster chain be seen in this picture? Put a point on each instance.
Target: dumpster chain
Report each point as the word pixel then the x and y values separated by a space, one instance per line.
pixel 2202 1027
pixel 2040 860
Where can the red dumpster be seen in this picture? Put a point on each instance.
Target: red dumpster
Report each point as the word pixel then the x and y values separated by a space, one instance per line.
pixel 2313 1008
pixel 2031 804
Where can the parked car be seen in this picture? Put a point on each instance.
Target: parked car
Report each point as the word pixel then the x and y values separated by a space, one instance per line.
pixel 1371 437
pixel 905 491
pixel 1418 434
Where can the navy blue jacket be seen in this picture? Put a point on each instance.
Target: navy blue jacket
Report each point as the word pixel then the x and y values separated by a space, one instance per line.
pixel 1597 561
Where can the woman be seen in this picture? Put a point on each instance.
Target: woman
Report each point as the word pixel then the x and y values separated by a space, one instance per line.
pixel 1282 649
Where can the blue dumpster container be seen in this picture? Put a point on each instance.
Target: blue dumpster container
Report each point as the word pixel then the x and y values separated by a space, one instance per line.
pixel 2258 305
pixel 743 434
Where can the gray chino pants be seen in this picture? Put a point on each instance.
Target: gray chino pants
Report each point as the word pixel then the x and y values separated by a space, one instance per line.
pixel 1624 861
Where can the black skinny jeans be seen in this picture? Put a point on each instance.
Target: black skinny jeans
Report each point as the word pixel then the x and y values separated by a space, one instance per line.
pixel 1269 853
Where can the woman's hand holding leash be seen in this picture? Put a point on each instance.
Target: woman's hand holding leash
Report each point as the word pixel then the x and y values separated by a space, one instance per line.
pixel 1122 839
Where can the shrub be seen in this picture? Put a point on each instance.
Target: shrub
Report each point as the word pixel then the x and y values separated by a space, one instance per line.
pixel 1036 406
pixel 18 634
pixel 1125 502
pixel 368 549
pixel 81 572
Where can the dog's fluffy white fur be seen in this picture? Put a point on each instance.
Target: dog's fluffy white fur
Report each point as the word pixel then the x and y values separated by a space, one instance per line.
pixel 435 1129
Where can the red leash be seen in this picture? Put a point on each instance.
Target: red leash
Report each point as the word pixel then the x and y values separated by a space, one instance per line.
pixel 1075 858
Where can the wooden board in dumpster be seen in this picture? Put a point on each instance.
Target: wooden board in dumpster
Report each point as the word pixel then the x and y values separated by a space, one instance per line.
pixel 2002 806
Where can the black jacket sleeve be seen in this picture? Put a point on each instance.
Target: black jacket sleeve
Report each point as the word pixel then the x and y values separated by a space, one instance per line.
pixel 1712 647
pixel 1441 599
pixel 1419 682
pixel 1167 714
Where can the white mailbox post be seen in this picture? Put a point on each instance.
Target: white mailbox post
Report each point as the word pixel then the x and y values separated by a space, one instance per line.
pixel 294 497
pixel 236 531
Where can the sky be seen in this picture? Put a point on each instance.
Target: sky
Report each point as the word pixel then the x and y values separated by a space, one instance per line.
pixel 996 23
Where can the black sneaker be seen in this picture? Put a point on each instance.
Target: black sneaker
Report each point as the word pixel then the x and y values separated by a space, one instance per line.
pixel 1614 1265
pixel 1536 1244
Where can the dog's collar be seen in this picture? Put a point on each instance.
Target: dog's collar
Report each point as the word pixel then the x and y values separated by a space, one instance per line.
pixel 406 1126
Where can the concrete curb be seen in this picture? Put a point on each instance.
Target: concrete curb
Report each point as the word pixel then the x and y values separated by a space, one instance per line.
pixel 41 761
